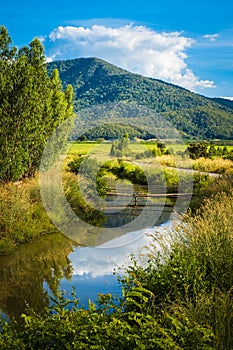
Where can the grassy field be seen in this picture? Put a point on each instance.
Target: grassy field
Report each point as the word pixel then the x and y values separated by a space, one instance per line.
pixel 100 148
pixel 101 151
pixel 96 148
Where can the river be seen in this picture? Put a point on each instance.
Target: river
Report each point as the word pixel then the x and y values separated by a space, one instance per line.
pixel 39 268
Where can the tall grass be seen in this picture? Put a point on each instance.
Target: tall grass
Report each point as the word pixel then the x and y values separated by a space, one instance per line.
pixel 174 161
pixel 22 215
pixel 217 165
pixel 192 278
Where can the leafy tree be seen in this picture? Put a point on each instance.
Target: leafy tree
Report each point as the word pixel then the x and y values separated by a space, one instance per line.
pixel 32 105
pixel 6 52
pixel 161 146
pixel 120 148
pixel 212 151
pixel 112 131
pixel 197 150
pixel 224 151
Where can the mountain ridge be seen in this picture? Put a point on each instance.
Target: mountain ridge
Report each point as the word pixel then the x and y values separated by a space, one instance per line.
pixel 96 81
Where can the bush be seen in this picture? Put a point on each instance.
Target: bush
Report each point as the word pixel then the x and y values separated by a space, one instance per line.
pixel 99 328
pixel 91 170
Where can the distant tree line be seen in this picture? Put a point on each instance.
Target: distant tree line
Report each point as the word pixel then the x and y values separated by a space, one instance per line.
pixel 203 149
pixel 113 131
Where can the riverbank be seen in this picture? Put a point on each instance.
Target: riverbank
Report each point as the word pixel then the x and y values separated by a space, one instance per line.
pixel 23 217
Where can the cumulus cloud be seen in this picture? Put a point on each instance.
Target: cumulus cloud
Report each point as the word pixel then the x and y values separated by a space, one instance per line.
pixel 42 38
pixel 101 260
pixel 227 98
pixel 211 37
pixel 135 48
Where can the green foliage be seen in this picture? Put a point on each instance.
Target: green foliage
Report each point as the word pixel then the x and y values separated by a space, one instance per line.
pixel 223 101
pixel 90 169
pixel 90 175
pixel 120 148
pixel 197 150
pixel 114 131
pixel 159 150
pixel 148 153
pixel 84 207
pixel 193 276
pixel 97 328
pixel 32 105
pixel 137 175
pixel 96 81
pixel 125 170
pixel 203 149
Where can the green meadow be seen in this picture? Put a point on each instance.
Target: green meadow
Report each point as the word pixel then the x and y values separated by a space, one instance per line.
pixel 96 148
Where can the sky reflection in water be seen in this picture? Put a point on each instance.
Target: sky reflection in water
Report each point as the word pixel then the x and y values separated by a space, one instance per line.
pixel 93 267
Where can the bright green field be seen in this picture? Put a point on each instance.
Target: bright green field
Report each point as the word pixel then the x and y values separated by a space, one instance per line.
pixel 100 149
pixel 103 149
pixel 94 148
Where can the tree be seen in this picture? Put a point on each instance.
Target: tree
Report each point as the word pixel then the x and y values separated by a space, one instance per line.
pixel 120 148
pixel 7 52
pixel 212 152
pixel 225 151
pixel 125 143
pixel 32 105
pixel 197 150
pixel 161 146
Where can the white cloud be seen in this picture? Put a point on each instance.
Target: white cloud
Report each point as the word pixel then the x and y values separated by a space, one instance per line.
pixel 42 38
pixel 135 48
pixel 227 98
pixel 102 260
pixel 211 37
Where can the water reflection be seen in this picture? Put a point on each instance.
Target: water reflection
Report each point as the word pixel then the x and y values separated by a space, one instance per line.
pixel 36 270
pixel 93 266
pixel 23 273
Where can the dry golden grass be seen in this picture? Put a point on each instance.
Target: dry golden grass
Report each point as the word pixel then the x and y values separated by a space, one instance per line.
pixel 174 161
pixel 217 165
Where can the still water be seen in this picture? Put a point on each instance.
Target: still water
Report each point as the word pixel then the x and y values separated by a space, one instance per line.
pixel 38 269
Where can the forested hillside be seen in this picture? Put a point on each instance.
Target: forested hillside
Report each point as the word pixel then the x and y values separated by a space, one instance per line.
pixel 96 81
pixel 224 102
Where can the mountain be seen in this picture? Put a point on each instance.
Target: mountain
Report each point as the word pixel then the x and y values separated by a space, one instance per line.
pixel 96 82
pixel 223 101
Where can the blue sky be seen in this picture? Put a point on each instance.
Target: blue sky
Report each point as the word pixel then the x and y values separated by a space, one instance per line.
pixel 186 43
